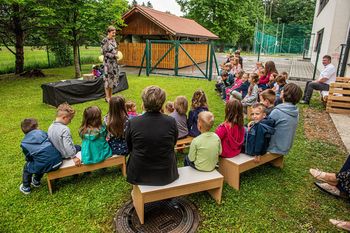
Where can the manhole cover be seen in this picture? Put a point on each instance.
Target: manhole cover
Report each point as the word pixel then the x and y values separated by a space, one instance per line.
pixel 172 215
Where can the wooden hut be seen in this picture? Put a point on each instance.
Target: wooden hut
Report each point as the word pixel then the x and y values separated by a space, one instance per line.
pixel 144 23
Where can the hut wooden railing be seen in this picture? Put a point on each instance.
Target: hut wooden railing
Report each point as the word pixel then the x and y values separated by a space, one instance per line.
pixel 133 52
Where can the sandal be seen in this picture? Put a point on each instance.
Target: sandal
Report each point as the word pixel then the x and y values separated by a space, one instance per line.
pixel 321 176
pixel 341 224
pixel 330 189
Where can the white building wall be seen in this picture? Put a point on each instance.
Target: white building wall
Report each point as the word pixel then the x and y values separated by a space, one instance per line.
pixel 334 18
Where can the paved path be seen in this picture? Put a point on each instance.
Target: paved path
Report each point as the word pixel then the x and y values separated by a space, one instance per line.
pixel 341 122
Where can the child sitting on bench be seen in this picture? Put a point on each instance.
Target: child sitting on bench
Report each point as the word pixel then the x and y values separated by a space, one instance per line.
pixel 199 104
pixel 94 148
pixel 206 148
pixel 116 120
pixel 41 155
pixel 231 132
pixel 60 135
pixel 286 116
pixel 259 132
pixel 181 106
pixel 267 98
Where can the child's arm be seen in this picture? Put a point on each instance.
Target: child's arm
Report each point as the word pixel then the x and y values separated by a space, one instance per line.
pixel 27 154
pixel 68 144
pixel 192 154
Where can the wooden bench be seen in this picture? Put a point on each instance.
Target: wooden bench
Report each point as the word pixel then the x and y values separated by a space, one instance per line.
pixel 68 168
pixel 183 143
pixel 190 181
pixel 231 168
pixel 338 100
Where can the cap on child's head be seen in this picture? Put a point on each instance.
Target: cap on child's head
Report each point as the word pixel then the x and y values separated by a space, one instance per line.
pixel 207 120
pixel 28 125
pixel 65 110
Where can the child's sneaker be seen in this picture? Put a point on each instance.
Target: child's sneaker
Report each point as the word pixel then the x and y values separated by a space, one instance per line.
pixel 25 190
pixel 35 183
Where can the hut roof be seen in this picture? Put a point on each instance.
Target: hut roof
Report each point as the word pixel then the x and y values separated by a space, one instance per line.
pixel 174 25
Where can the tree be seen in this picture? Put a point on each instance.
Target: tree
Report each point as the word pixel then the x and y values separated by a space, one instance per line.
pixel 292 11
pixel 231 20
pixel 81 21
pixel 149 4
pixel 18 19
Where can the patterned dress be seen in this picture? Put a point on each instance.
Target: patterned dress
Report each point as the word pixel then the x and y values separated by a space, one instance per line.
pixel 109 49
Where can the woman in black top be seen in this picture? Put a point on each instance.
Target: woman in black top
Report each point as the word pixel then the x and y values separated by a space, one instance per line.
pixel 151 138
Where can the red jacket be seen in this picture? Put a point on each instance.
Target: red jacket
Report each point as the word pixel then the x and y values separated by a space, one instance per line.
pixel 232 139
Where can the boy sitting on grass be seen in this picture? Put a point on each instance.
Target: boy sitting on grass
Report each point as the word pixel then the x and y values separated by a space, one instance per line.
pixel 205 148
pixel 41 155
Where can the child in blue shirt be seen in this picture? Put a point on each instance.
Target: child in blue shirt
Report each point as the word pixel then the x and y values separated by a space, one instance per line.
pixel 259 132
pixel 41 156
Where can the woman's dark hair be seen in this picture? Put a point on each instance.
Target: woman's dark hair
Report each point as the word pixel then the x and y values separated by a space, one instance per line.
pixel 292 93
pixel 270 67
pixel 199 99
pixel 92 119
pixel 234 112
pixel 117 116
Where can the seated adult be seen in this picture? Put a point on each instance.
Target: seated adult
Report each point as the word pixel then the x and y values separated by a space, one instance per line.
pixel 286 116
pixel 327 76
pixel 151 139
pixel 336 184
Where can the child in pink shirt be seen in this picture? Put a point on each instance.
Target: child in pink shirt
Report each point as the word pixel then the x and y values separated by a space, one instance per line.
pixel 231 131
pixel 238 82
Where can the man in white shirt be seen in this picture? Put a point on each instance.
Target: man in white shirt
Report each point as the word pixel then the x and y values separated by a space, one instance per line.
pixel 327 76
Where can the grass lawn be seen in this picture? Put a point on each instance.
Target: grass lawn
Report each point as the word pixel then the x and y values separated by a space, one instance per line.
pixel 37 58
pixel 270 199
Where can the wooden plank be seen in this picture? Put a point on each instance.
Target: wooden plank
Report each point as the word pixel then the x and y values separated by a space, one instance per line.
pixel 342 79
pixel 339 84
pixel 339 98
pixel 337 110
pixel 338 104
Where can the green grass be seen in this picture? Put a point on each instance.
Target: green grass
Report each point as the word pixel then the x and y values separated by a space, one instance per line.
pixel 37 58
pixel 270 199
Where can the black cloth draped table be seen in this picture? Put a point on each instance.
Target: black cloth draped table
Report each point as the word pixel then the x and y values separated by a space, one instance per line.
pixel 77 91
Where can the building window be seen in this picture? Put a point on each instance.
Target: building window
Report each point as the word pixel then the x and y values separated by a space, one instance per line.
pixel 319 37
pixel 323 3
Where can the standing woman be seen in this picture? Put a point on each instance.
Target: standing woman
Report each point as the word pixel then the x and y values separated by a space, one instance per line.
pixel 109 48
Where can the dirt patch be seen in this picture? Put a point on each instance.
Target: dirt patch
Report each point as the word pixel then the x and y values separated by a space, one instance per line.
pixel 318 125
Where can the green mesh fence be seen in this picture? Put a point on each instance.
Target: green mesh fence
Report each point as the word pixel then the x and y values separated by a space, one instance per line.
pixel 281 38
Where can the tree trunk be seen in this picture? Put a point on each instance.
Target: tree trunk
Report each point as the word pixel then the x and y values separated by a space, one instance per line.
pixel 19 39
pixel 76 61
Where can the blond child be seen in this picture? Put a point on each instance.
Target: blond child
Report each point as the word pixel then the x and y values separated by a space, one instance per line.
pixel 60 135
pixel 169 107
pixel 206 148
pixel 259 132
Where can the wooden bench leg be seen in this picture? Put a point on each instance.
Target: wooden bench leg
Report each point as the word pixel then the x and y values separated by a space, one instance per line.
pixel 216 193
pixel 138 203
pixel 277 162
pixel 49 184
pixel 230 172
pixel 124 168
